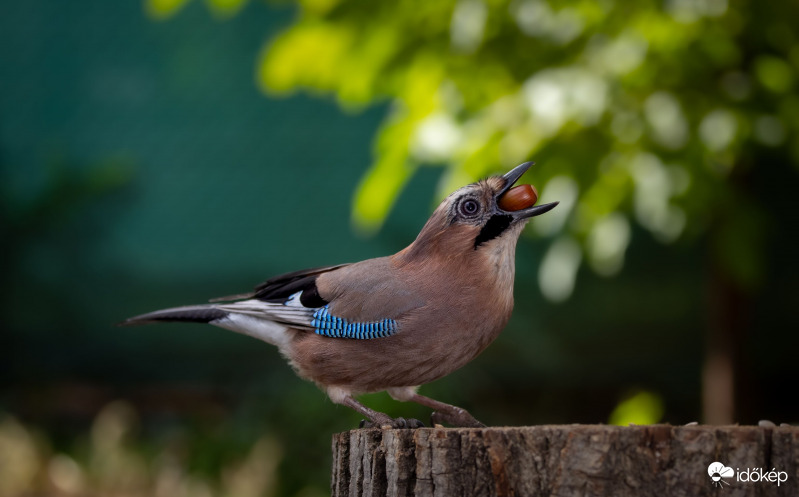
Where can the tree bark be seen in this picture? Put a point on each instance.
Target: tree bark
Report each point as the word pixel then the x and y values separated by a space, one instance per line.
pixel 569 460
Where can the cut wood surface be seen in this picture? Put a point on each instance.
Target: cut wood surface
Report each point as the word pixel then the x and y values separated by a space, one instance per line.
pixel 568 460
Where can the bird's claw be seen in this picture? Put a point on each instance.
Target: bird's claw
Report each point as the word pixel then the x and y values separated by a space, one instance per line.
pixel 391 423
pixel 412 423
pixel 459 418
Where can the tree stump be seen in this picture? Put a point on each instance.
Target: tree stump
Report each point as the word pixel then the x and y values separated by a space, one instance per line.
pixel 568 460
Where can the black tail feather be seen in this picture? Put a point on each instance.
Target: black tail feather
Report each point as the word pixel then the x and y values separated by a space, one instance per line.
pixel 188 314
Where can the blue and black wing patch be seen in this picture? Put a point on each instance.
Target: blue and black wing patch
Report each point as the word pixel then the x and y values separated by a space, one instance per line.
pixel 293 312
pixel 328 325
pixel 293 299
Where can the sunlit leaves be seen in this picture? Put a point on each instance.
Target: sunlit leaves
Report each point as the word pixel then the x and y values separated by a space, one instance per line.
pixel 641 408
pixel 643 110
pixel 654 187
pixel 607 241
pixel 385 179
pixel 616 56
pixel 774 73
pixel 310 55
pixel 561 189
pixel 606 194
pixel 556 96
pixel 226 8
pixel 717 129
pixel 538 19
pixel 318 7
pixel 163 9
pixel 378 191
pixel 558 271
pixel 668 123
pixel 468 25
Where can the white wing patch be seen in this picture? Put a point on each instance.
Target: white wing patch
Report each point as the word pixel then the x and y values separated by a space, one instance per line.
pixel 291 313
pixel 262 329
pixel 294 301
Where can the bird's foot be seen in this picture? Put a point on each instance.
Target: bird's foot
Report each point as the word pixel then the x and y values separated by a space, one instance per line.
pixel 389 423
pixel 456 417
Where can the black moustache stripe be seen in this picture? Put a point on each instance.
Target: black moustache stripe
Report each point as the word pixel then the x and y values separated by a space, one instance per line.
pixel 493 228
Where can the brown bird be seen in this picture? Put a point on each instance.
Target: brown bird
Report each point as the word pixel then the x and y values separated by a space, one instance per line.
pixel 397 322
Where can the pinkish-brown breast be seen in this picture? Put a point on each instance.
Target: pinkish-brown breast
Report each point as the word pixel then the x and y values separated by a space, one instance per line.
pixel 447 311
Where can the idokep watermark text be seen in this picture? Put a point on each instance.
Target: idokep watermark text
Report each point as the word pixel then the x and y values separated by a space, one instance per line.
pixel 721 475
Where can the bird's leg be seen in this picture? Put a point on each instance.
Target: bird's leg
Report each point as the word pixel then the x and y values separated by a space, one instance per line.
pixel 376 419
pixel 454 415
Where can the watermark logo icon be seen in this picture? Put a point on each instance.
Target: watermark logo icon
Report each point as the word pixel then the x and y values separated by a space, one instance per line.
pixel 717 472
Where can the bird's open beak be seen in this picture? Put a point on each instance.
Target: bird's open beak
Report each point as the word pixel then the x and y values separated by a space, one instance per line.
pixel 512 177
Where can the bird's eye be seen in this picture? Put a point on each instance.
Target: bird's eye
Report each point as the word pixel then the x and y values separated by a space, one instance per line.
pixel 469 207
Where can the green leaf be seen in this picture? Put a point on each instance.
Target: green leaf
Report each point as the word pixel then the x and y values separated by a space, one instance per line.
pixel 774 73
pixel 642 408
pixel 163 9
pixel 226 8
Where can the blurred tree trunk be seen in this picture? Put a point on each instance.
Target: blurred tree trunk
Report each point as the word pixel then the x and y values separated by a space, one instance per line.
pixel 636 461
pixel 727 309
pixel 736 264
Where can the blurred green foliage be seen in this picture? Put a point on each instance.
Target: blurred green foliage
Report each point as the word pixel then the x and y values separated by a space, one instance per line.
pixel 670 103
pixel 641 408
pixel 164 9
pixel 645 110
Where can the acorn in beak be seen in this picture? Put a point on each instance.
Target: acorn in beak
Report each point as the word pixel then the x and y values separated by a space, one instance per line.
pixel 519 201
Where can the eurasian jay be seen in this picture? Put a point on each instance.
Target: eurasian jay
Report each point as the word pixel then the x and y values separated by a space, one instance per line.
pixel 391 323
